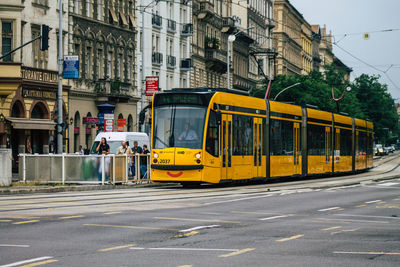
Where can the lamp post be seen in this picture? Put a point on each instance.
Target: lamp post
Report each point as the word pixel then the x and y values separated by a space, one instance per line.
pixel 284 89
pixel 231 38
pixel 348 89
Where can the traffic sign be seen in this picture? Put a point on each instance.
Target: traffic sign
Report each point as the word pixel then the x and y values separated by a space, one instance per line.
pixel 71 67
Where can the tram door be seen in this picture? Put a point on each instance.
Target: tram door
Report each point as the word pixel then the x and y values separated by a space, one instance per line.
pixel 257 130
pixel 296 148
pixel 226 147
pixel 328 150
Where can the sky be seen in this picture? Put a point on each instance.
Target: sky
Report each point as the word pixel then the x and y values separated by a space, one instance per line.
pixel 349 20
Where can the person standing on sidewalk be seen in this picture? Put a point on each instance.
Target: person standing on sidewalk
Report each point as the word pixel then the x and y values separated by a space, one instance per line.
pixel 137 150
pixel 143 162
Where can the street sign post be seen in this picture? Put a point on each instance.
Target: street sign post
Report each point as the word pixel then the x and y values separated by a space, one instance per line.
pixel 71 67
pixel 151 85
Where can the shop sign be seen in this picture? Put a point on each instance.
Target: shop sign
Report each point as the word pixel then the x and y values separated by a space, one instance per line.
pixel 88 130
pixel 108 122
pixel 76 130
pixel 151 85
pixel 90 120
pixel 120 125
pixel 71 67
pixel 39 94
pixel 39 75
pixel 120 128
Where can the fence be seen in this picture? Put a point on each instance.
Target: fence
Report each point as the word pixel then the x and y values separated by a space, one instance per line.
pixel 84 169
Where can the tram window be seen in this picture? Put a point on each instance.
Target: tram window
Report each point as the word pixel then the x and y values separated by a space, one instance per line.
pixel 281 136
pixel 316 140
pixel 362 143
pixel 345 142
pixel 242 135
pixel 264 138
pixel 212 134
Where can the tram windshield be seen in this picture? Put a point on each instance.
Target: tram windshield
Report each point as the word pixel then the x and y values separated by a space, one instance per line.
pixel 178 126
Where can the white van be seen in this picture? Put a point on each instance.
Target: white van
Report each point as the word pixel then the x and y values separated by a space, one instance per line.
pixel 114 140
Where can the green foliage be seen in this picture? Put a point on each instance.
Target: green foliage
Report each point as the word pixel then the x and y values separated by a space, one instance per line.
pixel 368 99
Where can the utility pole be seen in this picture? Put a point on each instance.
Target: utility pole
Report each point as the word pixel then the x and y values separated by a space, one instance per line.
pixel 59 94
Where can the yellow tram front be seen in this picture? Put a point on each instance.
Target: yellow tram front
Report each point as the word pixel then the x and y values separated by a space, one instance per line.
pixel 178 135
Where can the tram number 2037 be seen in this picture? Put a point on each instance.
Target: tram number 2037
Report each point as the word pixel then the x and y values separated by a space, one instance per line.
pixel 164 161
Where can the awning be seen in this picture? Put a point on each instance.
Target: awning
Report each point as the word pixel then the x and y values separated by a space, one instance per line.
pixel 113 15
pixel 123 18
pixel 31 124
pixel 132 21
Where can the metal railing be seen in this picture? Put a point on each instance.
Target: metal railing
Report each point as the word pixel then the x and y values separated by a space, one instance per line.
pixel 171 25
pixel 84 169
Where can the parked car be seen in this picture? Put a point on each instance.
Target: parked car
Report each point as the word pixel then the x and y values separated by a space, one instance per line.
pixel 379 150
pixel 388 149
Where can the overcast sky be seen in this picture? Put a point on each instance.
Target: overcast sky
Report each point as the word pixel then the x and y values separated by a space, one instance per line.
pixel 381 50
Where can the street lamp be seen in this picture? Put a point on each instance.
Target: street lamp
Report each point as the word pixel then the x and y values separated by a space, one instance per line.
pixel 347 89
pixel 231 38
pixel 284 89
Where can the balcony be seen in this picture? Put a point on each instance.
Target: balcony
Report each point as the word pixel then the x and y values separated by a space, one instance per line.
pixel 228 25
pixel 112 88
pixel 243 83
pixel 171 62
pixel 211 42
pixel 206 8
pixel 216 60
pixel 269 22
pixel 157 59
pixel 187 30
pixel 186 64
pixel 171 26
pixel 156 20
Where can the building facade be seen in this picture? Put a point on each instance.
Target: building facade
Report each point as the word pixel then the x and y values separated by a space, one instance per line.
pixel 103 34
pixel 325 49
pixel 29 77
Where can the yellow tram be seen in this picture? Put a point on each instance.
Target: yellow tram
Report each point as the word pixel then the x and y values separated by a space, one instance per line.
pixel 220 135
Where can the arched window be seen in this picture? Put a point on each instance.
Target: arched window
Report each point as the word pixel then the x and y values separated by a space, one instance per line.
pixel 17 110
pixel 129 123
pixel 39 111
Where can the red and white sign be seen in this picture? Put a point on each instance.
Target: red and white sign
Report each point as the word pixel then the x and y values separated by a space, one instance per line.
pixel 151 85
pixel 108 122
pixel 120 125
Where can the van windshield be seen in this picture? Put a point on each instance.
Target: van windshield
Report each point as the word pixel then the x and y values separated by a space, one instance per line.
pixel 114 145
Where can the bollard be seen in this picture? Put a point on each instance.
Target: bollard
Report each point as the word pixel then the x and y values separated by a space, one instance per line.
pixel 5 167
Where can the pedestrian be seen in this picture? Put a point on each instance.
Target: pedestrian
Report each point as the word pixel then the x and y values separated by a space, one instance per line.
pixel 143 162
pixel 136 150
pixel 80 150
pixel 106 167
pixel 124 149
pixel 103 146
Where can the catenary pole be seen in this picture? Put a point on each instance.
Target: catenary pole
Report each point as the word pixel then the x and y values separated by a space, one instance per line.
pixel 59 94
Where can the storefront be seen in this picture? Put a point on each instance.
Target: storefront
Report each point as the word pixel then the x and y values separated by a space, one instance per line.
pixel 28 109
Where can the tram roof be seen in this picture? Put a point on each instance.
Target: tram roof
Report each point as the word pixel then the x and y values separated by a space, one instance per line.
pixel 207 90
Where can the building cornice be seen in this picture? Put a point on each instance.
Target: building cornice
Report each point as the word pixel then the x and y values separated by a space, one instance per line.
pixel 11 7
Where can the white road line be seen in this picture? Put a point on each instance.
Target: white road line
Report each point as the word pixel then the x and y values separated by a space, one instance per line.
pixel 373 201
pixel 349 220
pixel 198 228
pixel 188 249
pixel 273 217
pixel 26 261
pixel 19 246
pixel 333 208
pixel 368 216
pixel 388 184
pixel 234 200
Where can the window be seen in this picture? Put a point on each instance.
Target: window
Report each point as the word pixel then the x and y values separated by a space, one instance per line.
pixel 345 142
pixel 129 71
pixel 88 8
pixel 40 58
pixel 99 9
pixel 6 40
pixel 242 135
pixel 362 143
pixel 100 63
pixel 281 137
pixel 212 134
pixel 109 64
pixel 316 140
pixel 88 65
pixel 119 66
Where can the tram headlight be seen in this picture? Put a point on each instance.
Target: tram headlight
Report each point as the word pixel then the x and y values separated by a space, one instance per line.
pixel 155 156
pixel 198 156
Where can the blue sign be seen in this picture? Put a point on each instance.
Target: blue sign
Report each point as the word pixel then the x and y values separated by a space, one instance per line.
pixel 71 67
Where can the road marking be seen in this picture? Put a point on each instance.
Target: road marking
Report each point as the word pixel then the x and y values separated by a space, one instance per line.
pixel 186 234
pixel 234 200
pixel 71 217
pixel 199 227
pixel 346 230
pixel 32 221
pixel 360 206
pixel 187 249
pixel 373 201
pixel 18 246
pixel 396 198
pixel 236 252
pixel 289 238
pixel 257 213
pixel 117 247
pixel 5 220
pixel 112 212
pixel 273 217
pixel 39 263
pixel 349 220
pixel 367 253
pixel 129 227
pixel 368 216
pixel 331 228
pixel 195 220
pixel 185 266
pixel 388 184
pixel 328 209
pixel 27 261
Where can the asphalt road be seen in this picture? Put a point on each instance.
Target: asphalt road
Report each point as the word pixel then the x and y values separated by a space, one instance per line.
pixel 318 222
